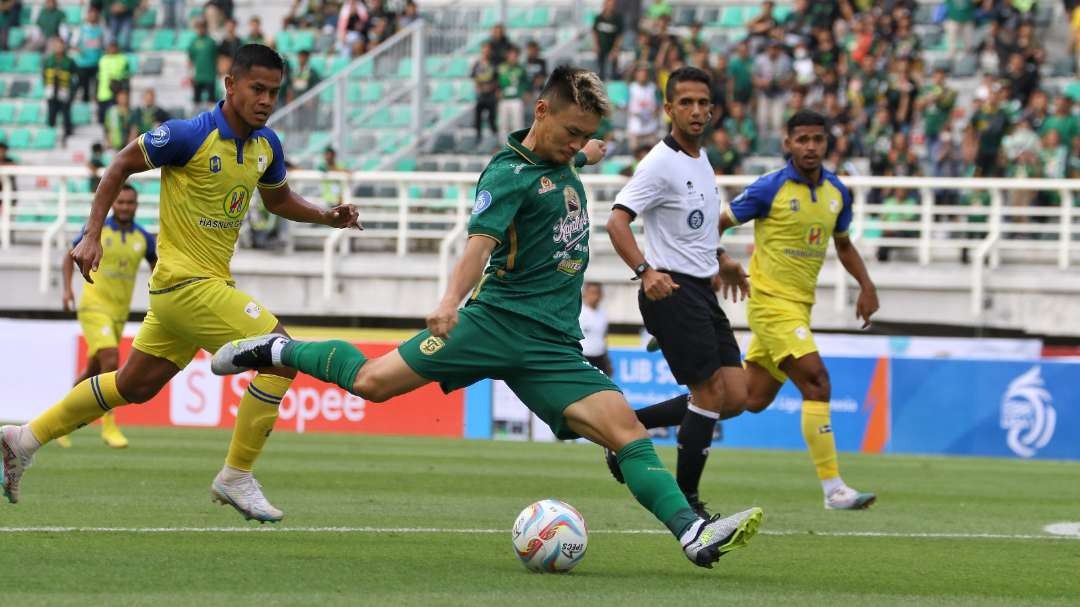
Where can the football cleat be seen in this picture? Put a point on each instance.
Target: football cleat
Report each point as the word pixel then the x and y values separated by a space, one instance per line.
pixel 111 434
pixel 12 462
pixel 245 495
pixel 245 354
pixel 708 540
pixel 846 498
pixel 612 461
pixel 64 441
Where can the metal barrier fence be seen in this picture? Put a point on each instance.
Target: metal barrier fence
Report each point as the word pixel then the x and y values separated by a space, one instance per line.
pixel 403 212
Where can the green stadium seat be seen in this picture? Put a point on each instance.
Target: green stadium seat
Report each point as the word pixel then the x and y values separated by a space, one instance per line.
pixel 381 117
pixel 371 92
pixel 16 37
pixel 148 19
pixel 405 67
pixel 338 64
pixel 29 113
pixel 402 117
pixel 7 112
pixel 619 93
pixel 303 40
pixel 72 14
pixel 408 164
pixel 433 67
pixel 458 68
pixel 353 91
pixel 163 40
pixel 1072 90
pixel 81 114
pixel 28 63
pixel 467 92
pixel 133 63
pixel 612 167
pixel 7 62
pixel 284 41
pixel 196 11
pixel 318 63
pixel 79 186
pixel 19 139
pixel 540 16
pixel 780 13
pixel 732 16
pixel 443 92
pixel 37 90
pixel 365 69
pixel 517 18
pixel 140 40
pixel 184 40
pixel 3 87
pixel 489 17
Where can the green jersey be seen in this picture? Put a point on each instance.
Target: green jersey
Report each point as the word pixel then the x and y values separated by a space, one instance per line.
pixel 537 213
pixel 511 80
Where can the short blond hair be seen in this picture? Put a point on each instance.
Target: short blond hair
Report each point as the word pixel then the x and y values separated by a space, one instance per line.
pixel 577 86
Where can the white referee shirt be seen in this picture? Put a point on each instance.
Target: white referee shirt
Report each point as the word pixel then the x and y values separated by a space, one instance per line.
pixel 677 197
pixel 594 326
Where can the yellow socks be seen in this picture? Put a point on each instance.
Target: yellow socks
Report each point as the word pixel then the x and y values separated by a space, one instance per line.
pixel 817 431
pixel 87 401
pixel 255 419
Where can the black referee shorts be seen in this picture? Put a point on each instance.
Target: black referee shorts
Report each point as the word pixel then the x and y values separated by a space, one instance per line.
pixel 602 362
pixel 693 332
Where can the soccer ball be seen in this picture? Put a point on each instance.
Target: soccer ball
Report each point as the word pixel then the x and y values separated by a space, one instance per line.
pixel 550 536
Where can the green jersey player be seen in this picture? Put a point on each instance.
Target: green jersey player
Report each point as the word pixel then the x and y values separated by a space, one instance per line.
pixel 522 271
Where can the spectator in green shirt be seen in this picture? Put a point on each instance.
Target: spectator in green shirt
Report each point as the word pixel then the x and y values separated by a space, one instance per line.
pixel 741 71
pixel 147 117
pixel 1062 120
pixel 113 75
pixel 724 158
pixel 202 57
pixel 10 11
pixel 117 121
pixel 58 74
pixel 120 17
pixel 49 24
pixel 511 87
pixel 255 33
pixel 959 21
pixel 743 128
pixel 936 101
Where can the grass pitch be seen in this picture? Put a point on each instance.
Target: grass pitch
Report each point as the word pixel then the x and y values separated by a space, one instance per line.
pixel 396 521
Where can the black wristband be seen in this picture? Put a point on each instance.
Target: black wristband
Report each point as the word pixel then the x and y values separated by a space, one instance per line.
pixel 720 250
pixel 640 269
pixel 580 159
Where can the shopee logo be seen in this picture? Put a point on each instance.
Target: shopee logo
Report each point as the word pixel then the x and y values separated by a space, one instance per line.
pixel 308 403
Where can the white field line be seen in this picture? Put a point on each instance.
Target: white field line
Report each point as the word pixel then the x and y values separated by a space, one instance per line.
pixel 452 530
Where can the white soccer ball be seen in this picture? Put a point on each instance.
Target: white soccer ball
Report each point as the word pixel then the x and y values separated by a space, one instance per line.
pixel 550 536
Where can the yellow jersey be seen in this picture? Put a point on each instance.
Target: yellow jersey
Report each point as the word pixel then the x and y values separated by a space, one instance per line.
pixel 114 280
pixel 208 175
pixel 793 222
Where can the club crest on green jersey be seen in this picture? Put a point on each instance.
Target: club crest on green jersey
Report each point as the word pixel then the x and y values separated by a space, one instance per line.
pixel 431 345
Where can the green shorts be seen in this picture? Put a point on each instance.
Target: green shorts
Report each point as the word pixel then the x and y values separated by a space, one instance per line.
pixel 544 368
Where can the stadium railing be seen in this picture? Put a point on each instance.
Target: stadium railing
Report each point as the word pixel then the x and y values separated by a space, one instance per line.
pixel 405 212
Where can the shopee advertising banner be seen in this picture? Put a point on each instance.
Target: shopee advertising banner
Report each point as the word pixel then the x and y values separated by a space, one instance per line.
pixel 198 398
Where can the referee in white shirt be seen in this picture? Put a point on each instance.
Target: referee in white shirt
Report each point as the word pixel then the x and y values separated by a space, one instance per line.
pixel 594 326
pixel 674 192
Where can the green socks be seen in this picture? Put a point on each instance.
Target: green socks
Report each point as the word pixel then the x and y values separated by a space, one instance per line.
pixel 334 361
pixel 654 487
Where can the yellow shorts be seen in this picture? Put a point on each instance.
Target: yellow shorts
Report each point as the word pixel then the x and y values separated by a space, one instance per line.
pixel 101 331
pixel 779 328
pixel 205 314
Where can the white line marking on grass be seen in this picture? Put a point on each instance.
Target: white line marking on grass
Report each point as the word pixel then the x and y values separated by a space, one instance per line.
pixel 1070 530
pixel 453 530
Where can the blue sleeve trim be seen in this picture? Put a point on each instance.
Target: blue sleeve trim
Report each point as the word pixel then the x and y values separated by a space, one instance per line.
pixel 78 239
pixel 757 199
pixel 174 142
pixel 843 220
pixel 274 175
pixel 151 244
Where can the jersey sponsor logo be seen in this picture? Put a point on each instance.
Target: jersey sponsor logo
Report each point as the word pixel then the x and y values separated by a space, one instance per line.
pixel 834 205
pixel 802 332
pixel 794 204
pixel 252 309
pixel 483 201
pixel 261 164
pixel 236 202
pixel 545 186
pixel 1027 414
pixel 815 235
pixel 570 266
pixel 570 196
pixel 431 345
pixel 695 219
pixel 159 137
pixel 215 164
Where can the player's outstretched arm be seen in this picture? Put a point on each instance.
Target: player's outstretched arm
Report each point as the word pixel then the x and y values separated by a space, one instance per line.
pixel 130 160
pixel 284 202
pixel 466 274
pixel 849 256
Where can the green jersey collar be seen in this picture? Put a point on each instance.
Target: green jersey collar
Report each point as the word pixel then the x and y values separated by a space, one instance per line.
pixel 514 142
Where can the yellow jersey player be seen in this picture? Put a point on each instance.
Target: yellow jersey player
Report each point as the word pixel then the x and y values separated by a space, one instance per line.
pixel 210 167
pixel 795 211
pixel 105 303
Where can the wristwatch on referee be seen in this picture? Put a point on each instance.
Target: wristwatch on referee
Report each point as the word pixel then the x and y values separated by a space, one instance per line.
pixel 640 269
